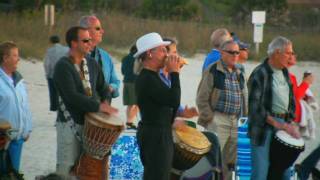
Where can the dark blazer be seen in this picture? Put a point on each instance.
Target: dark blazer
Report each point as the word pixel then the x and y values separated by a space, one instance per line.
pixel 70 89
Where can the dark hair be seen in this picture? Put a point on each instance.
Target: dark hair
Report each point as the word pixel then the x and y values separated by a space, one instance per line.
pixel 133 49
pixel 171 40
pixel 54 39
pixel 72 34
pixel 5 49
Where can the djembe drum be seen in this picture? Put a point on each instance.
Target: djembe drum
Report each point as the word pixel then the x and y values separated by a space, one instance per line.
pixel 190 145
pixel 284 150
pixel 99 134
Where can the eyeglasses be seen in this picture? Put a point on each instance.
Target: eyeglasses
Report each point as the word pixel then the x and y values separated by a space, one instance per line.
pixel 86 40
pixel 234 53
pixel 290 53
pixel 98 28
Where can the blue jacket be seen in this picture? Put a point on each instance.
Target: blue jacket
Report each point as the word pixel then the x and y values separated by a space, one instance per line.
pixel 14 103
pixel 211 58
pixel 108 70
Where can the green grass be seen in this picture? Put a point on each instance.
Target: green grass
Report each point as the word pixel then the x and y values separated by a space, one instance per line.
pixel 121 31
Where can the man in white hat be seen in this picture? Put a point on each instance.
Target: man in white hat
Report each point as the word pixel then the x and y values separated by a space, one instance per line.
pixel 158 104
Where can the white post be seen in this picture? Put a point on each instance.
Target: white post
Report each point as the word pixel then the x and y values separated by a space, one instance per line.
pixel 49 15
pixel 52 15
pixel 46 14
pixel 258 19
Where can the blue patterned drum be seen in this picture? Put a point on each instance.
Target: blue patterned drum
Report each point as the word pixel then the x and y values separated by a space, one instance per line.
pixel 125 158
pixel 244 150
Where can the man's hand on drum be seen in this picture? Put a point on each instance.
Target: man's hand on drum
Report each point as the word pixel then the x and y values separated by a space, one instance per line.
pixel 106 108
pixel 189 112
pixel 291 129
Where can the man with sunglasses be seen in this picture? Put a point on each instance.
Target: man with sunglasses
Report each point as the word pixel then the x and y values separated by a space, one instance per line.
pixel 81 88
pixel 222 99
pixel 92 23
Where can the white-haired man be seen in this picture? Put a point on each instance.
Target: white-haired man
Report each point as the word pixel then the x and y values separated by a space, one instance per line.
pixel 271 104
pixel 158 105
pixel 92 23
pixel 222 99
pixel 217 37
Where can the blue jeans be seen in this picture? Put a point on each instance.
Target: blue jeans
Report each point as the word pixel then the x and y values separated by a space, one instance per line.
pixel 15 150
pixel 260 157
pixel 308 163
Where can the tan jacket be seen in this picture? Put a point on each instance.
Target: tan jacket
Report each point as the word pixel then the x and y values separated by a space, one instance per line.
pixel 210 89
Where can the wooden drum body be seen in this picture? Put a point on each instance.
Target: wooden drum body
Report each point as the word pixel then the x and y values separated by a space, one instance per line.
pixel 100 133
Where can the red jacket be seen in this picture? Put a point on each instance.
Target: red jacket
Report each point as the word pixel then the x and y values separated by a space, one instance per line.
pixel 299 92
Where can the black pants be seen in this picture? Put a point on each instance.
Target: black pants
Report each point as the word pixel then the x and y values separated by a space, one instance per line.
pixel 53 95
pixel 156 151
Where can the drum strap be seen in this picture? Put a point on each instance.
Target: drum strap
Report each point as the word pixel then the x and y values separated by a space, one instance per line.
pixel 70 122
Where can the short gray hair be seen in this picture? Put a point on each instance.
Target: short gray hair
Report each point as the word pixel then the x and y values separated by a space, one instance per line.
pixel 226 43
pixel 86 20
pixel 219 36
pixel 279 43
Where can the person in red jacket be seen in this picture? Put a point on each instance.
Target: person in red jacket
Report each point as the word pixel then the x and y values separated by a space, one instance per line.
pixel 299 91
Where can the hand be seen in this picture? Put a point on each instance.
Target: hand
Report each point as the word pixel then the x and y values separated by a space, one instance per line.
pixel 308 79
pixel 189 112
pixel 26 138
pixel 111 89
pixel 173 63
pixel 178 123
pixel 106 108
pixel 292 130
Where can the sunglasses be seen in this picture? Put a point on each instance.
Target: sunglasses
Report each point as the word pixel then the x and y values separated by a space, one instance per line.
pixel 85 40
pixel 234 53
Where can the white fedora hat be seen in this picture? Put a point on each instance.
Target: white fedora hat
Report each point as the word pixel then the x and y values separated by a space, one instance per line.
pixel 149 41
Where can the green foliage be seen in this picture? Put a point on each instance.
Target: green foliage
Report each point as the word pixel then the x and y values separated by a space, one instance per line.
pixel 168 9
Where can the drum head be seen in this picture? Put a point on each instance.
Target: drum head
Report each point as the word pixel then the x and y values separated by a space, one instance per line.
pixel 191 137
pixel 285 137
pixel 100 118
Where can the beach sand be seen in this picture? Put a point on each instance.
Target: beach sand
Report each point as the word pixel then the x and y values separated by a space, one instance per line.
pixel 39 153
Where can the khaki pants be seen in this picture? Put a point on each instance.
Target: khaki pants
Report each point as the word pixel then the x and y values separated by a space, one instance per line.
pixel 226 127
pixel 68 148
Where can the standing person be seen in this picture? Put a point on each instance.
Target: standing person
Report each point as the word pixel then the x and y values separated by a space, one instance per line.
pixel 185 112
pixel 92 23
pixel 244 51
pixel 158 105
pixel 308 165
pixel 299 92
pixel 14 102
pixel 271 104
pixel 216 39
pixel 81 86
pixel 222 99
pixel 129 93
pixel 53 54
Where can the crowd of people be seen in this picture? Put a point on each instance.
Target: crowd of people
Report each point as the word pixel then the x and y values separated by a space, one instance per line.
pixel 82 79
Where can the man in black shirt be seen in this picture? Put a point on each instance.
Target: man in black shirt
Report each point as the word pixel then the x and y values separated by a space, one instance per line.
pixel 158 104
pixel 81 86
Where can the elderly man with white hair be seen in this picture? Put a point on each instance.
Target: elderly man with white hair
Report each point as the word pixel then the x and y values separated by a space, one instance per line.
pixel 271 105
pixel 92 23
pixel 222 100
pixel 158 105
pixel 217 37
